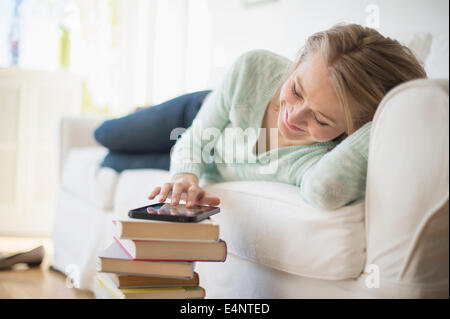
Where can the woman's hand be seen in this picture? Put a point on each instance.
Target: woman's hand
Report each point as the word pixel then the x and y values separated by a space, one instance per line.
pixel 185 187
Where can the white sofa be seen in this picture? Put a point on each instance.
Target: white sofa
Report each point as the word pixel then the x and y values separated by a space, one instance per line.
pixel 394 244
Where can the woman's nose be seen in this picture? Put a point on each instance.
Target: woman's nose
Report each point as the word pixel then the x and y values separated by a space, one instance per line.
pixel 298 113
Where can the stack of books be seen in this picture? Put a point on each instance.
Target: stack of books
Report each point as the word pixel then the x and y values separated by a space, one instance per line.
pixel 156 259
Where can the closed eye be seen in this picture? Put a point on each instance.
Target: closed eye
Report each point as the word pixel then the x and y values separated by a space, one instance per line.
pixel 294 90
pixel 319 122
pixel 301 97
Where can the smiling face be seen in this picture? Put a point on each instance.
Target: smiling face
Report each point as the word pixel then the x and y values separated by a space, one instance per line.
pixel 310 111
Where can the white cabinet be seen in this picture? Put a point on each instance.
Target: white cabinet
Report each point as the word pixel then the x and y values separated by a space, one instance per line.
pixel 31 104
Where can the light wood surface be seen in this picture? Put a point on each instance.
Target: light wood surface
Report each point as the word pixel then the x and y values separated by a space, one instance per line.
pixel 37 282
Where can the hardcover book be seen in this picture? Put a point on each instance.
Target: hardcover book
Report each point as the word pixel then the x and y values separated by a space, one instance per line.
pixel 113 259
pixel 105 288
pixel 132 281
pixel 140 229
pixel 173 250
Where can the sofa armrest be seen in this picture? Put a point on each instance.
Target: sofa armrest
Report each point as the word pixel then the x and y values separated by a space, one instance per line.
pixel 76 132
pixel 407 190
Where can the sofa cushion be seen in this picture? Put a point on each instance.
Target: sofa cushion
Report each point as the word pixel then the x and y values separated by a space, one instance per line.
pixel 436 64
pixel 268 223
pixel 84 178
pixel 420 43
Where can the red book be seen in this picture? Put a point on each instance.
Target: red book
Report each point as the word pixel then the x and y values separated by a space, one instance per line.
pixel 157 250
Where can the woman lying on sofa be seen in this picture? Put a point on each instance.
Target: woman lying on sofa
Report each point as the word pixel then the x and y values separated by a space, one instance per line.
pixel 305 123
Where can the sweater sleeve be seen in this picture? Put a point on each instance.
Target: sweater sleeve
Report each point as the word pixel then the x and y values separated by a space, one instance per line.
pixel 339 177
pixel 191 153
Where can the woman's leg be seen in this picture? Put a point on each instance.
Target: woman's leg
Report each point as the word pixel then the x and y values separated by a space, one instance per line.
pixel 123 161
pixel 142 139
pixel 148 130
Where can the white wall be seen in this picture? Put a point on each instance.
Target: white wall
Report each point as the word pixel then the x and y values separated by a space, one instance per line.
pixel 197 40
pixel 283 25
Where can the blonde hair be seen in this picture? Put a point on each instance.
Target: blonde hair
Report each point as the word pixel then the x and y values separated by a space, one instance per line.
pixel 364 65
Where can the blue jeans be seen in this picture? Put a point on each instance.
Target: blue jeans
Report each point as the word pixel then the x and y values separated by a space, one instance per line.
pixel 142 139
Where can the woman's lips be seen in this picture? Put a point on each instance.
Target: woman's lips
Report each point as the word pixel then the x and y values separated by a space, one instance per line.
pixel 293 128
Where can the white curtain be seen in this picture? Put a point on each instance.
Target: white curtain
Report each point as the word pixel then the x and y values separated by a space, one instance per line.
pixel 128 52
pixel 124 53
pixel 155 51
pixel 113 49
pixel 182 48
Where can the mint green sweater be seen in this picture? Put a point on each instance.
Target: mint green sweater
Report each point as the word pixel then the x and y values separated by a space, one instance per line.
pixel 220 142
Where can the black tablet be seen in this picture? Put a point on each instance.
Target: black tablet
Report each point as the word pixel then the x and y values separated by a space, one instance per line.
pixel 173 213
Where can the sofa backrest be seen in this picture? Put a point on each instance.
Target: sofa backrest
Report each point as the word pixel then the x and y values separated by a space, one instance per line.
pixel 407 215
pixel 75 132
pixel 432 52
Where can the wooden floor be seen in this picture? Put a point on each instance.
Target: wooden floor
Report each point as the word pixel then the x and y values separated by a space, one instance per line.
pixel 37 282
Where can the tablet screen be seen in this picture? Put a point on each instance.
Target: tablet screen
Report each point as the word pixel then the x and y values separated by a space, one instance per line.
pixel 180 209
